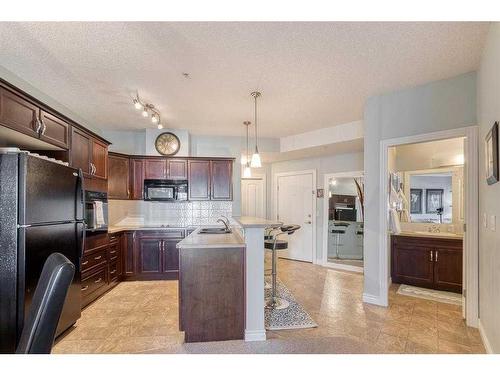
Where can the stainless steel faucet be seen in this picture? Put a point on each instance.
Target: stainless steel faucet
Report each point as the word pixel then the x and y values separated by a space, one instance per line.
pixel 225 222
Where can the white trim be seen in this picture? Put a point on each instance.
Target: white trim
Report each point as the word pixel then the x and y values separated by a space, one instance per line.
pixel 343 267
pixel 314 213
pixel 374 300
pixel 256 335
pixel 471 255
pixel 324 258
pixel 484 338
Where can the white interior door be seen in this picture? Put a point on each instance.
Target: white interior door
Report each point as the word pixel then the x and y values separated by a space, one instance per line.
pixel 253 198
pixel 295 206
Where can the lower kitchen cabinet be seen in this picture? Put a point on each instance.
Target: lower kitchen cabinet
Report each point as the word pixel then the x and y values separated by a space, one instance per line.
pixel 434 263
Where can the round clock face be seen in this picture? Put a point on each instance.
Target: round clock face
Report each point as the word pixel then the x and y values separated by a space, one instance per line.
pixel 167 144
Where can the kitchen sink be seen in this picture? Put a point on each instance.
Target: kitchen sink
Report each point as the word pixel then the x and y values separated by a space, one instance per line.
pixel 214 231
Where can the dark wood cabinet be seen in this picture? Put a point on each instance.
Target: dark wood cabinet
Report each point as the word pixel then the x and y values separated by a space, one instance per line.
pixel 54 130
pixel 99 160
pixel 118 177
pixel 171 258
pixel 19 114
pixel 177 169
pixel 137 178
pixel 199 180
pixel 81 151
pixel 434 263
pixel 129 254
pixel 155 169
pixel 221 172
pixel 150 255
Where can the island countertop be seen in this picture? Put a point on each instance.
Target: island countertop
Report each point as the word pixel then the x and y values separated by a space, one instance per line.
pixel 256 222
pixel 198 240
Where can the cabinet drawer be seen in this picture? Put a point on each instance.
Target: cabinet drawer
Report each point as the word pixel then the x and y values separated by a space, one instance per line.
pixel 113 251
pixel 95 241
pixel 93 282
pixel 114 271
pixel 93 260
pixel 113 238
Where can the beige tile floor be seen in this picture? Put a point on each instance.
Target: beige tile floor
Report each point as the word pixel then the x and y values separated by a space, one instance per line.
pixel 142 317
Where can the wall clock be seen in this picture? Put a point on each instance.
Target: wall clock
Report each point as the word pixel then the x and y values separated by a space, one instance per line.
pixel 167 144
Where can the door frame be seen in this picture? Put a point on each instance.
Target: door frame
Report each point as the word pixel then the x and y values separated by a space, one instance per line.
pixel 324 260
pixel 471 208
pixel 276 176
pixel 257 176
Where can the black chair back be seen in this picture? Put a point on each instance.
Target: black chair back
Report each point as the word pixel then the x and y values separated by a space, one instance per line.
pixel 37 336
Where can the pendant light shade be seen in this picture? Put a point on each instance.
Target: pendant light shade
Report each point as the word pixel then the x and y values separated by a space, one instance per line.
pixel 247 171
pixel 256 162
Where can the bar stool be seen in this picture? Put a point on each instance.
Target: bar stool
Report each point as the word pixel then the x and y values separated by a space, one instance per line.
pixel 274 244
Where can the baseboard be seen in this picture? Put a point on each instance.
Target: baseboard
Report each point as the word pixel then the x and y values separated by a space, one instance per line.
pixel 343 267
pixel 374 300
pixel 486 342
pixel 257 335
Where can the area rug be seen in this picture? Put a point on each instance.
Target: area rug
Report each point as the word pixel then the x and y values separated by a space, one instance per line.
pixel 430 294
pixel 292 317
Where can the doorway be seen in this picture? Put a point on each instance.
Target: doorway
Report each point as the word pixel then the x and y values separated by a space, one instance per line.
pixel 253 196
pixel 295 203
pixel 423 204
pixel 343 221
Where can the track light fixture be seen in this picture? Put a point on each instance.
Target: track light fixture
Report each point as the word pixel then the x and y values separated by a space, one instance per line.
pixel 148 110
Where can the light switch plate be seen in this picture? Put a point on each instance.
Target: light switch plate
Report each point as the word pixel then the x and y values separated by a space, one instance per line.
pixel 493 222
pixel 485 220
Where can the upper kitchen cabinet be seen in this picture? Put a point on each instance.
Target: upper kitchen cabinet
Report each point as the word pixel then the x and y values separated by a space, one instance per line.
pixel 221 180
pixel 118 177
pixel 54 130
pixel 81 151
pixel 177 169
pixel 99 159
pixel 155 169
pixel 199 180
pixel 19 114
pixel 136 178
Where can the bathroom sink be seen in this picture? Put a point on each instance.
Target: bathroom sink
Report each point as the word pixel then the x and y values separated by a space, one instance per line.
pixel 214 231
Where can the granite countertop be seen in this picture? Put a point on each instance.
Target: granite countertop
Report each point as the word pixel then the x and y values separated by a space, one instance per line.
pixel 256 222
pixel 197 240
pixel 116 229
pixel 440 235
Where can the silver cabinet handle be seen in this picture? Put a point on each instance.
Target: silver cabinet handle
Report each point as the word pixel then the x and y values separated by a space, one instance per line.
pixel 98 280
pixel 112 252
pixel 432 257
pixel 44 127
pixel 85 263
pixel 437 253
pixel 85 288
pixel 38 125
pixel 97 258
pixel 112 272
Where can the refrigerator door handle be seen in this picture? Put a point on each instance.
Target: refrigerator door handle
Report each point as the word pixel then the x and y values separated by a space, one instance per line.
pixel 80 196
pixel 81 239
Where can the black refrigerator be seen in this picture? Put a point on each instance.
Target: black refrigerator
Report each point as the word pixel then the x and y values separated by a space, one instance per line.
pixel 41 212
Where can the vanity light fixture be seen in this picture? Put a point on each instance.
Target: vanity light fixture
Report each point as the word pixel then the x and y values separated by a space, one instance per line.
pixel 256 162
pixel 247 172
pixel 148 110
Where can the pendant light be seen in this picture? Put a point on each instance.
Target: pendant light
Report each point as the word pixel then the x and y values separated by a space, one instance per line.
pixel 256 163
pixel 247 172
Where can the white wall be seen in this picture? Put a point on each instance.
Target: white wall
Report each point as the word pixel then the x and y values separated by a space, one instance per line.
pixel 440 105
pixel 322 165
pixel 488 90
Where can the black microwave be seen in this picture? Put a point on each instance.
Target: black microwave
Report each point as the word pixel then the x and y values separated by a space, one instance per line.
pixel 165 190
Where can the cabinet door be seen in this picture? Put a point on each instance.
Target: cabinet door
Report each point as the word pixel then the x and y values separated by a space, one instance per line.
pixel 118 177
pixel 155 169
pixel 54 130
pixel 171 258
pixel 177 169
pixel 448 269
pixel 411 264
pixel 100 159
pixel 137 178
pixel 18 114
pixel 81 144
pixel 222 180
pixel 150 255
pixel 128 254
pixel 199 180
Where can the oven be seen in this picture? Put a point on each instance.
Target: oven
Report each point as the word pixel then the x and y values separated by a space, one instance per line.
pixel 96 211
pixel 165 190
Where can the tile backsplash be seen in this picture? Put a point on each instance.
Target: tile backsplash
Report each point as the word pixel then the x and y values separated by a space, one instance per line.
pixel 128 212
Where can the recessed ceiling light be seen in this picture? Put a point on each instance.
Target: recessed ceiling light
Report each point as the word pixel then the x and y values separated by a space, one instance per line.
pixel 186 75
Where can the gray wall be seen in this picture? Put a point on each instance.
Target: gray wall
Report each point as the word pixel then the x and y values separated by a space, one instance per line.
pixel 440 105
pixel 489 202
pixel 322 165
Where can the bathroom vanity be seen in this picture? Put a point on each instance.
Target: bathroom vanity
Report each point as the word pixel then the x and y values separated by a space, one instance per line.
pixel 428 260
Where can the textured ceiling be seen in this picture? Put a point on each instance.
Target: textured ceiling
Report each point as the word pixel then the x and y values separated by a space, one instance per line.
pixel 311 75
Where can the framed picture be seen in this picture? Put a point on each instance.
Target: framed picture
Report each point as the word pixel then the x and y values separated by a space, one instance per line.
pixel 434 200
pixel 491 148
pixel 320 193
pixel 415 201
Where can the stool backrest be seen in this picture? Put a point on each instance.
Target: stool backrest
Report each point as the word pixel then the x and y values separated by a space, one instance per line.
pixel 290 229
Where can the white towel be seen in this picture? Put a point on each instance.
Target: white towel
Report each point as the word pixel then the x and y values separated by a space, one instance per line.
pixel 394 224
pixel 99 213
